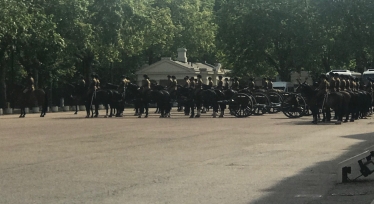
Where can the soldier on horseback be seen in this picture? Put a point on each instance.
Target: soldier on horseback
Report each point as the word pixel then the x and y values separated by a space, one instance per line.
pixel 332 82
pixel 251 85
pixel 146 85
pixel 265 83
pixel 323 87
pixel 186 82
pixel 337 82
pixel 226 87
pixel 30 84
pixel 270 85
pixel 122 86
pixel 192 82
pixel 172 88
pixel 235 84
pixel 169 81
pixel 210 82
pixel 220 83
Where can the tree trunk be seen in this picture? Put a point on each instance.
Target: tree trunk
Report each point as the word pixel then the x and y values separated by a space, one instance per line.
pixel 3 93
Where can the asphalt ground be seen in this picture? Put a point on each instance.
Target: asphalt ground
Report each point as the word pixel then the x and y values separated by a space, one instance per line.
pixel 66 158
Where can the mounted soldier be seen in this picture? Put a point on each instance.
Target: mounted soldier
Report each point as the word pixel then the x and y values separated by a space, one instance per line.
pixel 337 82
pixel 173 87
pixel 342 83
pixel 323 87
pixel 81 82
pixel 235 84
pixel 226 87
pixel 332 82
pixel 270 85
pixel 122 86
pixel 93 85
pixel 186 82
pixel 30 84
pixel 220 83
pixel 265 83
pixel 146 84
pixel 251 84
pixel 192 82
pixel 210 82
pixel 168 83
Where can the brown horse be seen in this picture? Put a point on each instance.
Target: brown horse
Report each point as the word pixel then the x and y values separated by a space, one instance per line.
pixel 35 98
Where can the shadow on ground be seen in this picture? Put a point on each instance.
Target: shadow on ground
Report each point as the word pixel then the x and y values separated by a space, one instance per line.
pixel 306 187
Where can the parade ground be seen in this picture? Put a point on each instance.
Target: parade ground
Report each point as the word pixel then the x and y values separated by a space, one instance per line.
pixel 66 158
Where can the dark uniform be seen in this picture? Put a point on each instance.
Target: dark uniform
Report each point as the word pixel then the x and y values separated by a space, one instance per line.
pixel 198 84
pixel 220 83
pixel 332 83
pixel 192 82
pixel 122 85
pixel 235 84
pixel 210 82
pixel 93 85
pixel 342 84
pixel 168 83
pixel 323 87
pixel 270 85
pixel 81 82
pixel 226 87
pixel 173 87
pixel 251 85
pixel 30 84
pixel 264 83
pixel 337 82
pixel 186 82
pixel 146 85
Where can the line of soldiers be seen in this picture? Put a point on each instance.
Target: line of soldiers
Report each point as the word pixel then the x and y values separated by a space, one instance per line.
pixel 336 83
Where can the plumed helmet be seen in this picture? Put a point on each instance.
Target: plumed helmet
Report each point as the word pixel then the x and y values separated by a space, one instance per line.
pixel 235 78
pixel 219 77
pixel 192 78
pixel 168 76
pixel 145 76
pixel 209 78
pixel 173 77
pixel 198 76
pixel 226 79
pixel 331 74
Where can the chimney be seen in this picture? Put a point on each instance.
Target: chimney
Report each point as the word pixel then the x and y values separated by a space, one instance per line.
pixel 182 57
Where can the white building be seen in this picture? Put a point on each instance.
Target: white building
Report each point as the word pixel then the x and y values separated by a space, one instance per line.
pixel 180 68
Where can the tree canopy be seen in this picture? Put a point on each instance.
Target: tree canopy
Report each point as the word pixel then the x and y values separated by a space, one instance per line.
pixel 58 40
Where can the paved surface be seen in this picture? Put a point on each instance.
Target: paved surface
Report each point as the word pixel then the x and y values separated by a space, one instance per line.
pixel 65 158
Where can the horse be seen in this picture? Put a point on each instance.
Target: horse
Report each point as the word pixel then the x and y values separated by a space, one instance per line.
pixel 34 98
pixel 143 98
pixel 336 100
pixel 76 93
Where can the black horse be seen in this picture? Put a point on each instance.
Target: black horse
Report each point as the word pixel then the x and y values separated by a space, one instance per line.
pixel 34 98
pixel 76 92
pixel 336 100
pixel 142 99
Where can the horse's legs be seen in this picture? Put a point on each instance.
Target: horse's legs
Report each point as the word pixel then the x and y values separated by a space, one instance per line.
pixel 146 110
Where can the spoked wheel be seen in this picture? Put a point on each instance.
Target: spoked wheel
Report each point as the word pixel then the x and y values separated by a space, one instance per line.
pixel 263 103
pixel 275 102
pixel 241 105
pixel 294 106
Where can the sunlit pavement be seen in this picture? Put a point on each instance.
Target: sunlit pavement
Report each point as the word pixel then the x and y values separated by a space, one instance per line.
pixel 66 158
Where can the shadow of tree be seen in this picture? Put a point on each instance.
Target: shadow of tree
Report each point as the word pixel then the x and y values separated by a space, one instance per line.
pixel 306 187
